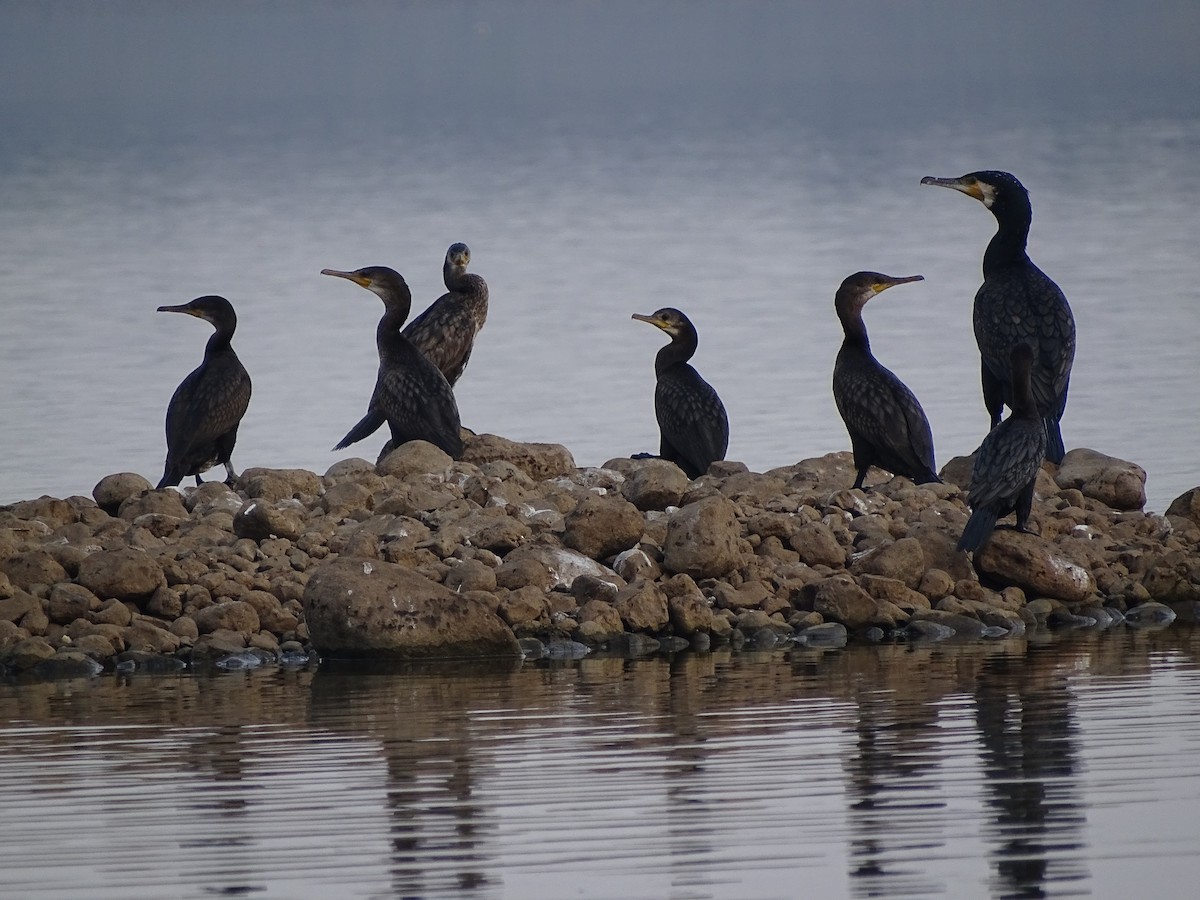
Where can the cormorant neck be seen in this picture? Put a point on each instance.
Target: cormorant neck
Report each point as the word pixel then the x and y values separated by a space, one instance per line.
pixel 1023 404
pixel 854 328
pixel 1008 244
pixel 219 341
pixel 397 302
pixel 460 281
pixel 680 350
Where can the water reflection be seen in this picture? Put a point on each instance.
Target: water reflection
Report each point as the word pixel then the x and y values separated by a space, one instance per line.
pixel 887 771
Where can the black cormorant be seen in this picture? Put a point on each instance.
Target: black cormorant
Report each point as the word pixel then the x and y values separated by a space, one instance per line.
pixel 887 426
pixel 692 423
pixel 1006 464
pixel 208 405
pixel 1018 303
pixel 411 395
pixel 445 332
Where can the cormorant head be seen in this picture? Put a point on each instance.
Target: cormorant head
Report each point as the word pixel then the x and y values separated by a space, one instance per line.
pixel 388 284
pixel 213 309
pixel 670 320
pixel 992 188
pixel 458 256
pixel 860 287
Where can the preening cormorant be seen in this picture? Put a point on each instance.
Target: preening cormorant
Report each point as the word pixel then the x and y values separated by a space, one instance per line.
pixel 445 332
pixel 692 423
pixel 411 395
pixel 1018 304
pixel 208 405
pixel 887 426
pixel 1006 464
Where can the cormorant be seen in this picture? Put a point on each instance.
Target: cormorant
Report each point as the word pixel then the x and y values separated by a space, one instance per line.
pixel 208 405
pixel 1018 303
pixel 692 423
pixel 411 395
pixel 445 332
pixel 1007 462
pixel 887 426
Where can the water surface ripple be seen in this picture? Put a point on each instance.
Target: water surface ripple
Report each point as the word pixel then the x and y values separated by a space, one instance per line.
pixel 1032 768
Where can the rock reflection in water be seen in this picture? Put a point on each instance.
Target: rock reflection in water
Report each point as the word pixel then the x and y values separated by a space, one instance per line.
pixel 876 771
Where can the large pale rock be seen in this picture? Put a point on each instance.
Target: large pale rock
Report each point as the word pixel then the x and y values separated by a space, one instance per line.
pixel 69 602
pixel 702 539
pixel 903 560
pixel 112 490
pixel 415 458
pixel 654 484
pixel 538 461
pixel 357 608
pixel 602 526
pixel 50 510
pixel 229 615
pixel 1034 565
pixel 1114 482
pixel 125 574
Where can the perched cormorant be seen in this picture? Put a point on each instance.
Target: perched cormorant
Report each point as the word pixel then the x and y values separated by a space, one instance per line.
pixel 208 405
pixel 887 426
pixel 1018 303
pixel 693 426
pixel 1007 462
pixel 445 332
pixel 411 395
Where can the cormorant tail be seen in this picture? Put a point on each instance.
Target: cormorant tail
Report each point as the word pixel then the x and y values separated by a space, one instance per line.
pixel 978 529
pixel 365 428
pixel 1055 449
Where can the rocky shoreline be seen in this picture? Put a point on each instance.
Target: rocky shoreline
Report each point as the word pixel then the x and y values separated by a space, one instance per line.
pixel 514 550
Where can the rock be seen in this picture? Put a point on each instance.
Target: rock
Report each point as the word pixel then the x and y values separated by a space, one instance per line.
pixel 229 615
pixel 142 636
pixel 642 607
pixel 841 600
pixel 259 520
pixel 702 539
pixel 654 484
pixel 1186 505
pixel 113 490
pixel 903 560
pixel 538 461
pixel 66 664
pixel 1145 614
pixel 415 458
pixel 831 635
pixel 27 653
pixel 111 612
pixel 471 575
pixel 557 567
pixel 1114 482
pixel 355 608
pixel 273 485
pixel 817 545
pixel 602 622
pixel 893 591
pixel 69 602
pixel 635 563
pixel 166 502
pixel 938 547
pixel 125 574
pixel 1034 565
pixel 524 606
pixel 600 527
pixel 32 567
pixel 19 605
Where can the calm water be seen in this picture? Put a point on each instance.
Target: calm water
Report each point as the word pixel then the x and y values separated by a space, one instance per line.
pixel 1065 767
pixel 745 205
